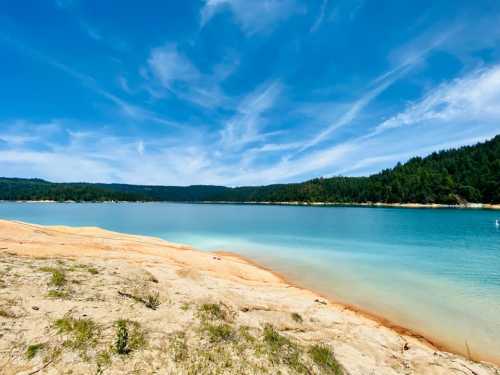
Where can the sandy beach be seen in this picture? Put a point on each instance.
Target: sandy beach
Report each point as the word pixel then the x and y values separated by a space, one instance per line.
pixel 66 295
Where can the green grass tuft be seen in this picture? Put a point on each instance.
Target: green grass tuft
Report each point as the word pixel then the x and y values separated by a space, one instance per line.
pixel 33 350
pixel 83 332
pixel 58 278
pixel 273 339
pixel 178 347
pixel 58 294
pixel 103 360
pixel 121 342
pixel 213 311
pixel 219 332
pixel 283 351
pixel 324 358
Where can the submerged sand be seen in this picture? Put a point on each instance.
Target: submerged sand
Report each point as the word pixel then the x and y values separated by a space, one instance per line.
pixel 109 276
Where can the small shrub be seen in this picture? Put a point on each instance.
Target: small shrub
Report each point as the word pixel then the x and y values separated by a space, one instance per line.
pixel 213 311
pixel 273 339
pixel 152 301
pixel 32 350
pixel 129 336
pixel 219 332
pixel 324 358
pixel 121 343
pixel 93 270
pixel 296 317
pixel 185 306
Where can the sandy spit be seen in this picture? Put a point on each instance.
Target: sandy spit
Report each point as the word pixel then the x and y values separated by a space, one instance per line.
pixel 109 276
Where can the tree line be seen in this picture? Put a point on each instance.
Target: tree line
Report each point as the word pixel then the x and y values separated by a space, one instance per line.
pixel 466 174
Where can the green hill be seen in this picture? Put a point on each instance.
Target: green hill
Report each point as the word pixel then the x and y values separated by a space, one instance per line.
pixel 467 174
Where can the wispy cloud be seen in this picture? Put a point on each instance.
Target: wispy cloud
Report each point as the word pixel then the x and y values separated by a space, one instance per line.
pixel 345 10
pixel 102 156
pixel 170 66
pixel 91 31
pixel 408 58
pixel 252 16
pixel 380 84
pixel 475 97
pixel 245 127
pixel 319 20
pixel 178 75
pixel 135 112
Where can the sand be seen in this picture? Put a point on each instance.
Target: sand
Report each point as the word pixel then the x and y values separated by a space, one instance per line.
pixel 109 276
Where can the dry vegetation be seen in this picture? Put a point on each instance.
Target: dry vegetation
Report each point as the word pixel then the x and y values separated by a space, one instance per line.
pixel 87 319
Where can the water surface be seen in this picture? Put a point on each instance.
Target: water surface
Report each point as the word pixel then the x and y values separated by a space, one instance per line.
pixel 436 271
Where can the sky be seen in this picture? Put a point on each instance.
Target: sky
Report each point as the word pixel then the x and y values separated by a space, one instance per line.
pixel 241 92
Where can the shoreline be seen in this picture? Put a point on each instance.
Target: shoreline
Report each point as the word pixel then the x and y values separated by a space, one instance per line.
pixel 473 206
pixel 385 322
pixel 259 273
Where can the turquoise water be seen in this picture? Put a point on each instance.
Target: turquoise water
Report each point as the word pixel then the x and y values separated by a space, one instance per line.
pixel 434 271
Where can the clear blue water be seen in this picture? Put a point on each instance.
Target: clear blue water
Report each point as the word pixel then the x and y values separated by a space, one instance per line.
pixel 434 271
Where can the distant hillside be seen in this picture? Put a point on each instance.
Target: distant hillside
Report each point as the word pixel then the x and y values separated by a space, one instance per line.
pixel 37 189
pixel 467 174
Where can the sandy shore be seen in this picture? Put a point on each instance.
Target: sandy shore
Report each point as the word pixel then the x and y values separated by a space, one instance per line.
pixel 63 291
pixel 484 206
pixel 475 206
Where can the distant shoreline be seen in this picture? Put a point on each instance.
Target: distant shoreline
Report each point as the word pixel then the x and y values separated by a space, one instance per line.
pixel 485 206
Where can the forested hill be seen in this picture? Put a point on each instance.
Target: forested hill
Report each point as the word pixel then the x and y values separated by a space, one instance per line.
pixel 467 174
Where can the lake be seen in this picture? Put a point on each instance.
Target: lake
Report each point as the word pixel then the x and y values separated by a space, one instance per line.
pixel 435 271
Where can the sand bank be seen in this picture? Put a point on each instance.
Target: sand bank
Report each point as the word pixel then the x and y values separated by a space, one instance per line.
pixel 110 276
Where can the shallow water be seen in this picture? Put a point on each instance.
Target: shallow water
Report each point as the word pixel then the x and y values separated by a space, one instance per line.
pixel 436 271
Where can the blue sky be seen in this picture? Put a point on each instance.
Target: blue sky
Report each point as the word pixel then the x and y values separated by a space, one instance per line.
pixel 241 92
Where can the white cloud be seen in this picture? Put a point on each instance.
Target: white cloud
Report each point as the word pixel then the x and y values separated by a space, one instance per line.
pixel 169 66
pixel 253 16
pixel 475 97
pixel 245 127
pixel 177 74
pixel 53 166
